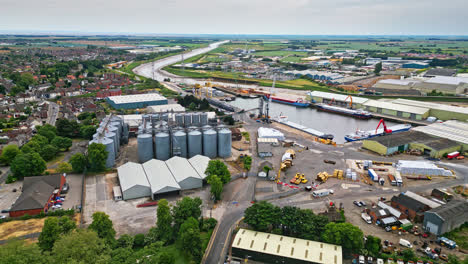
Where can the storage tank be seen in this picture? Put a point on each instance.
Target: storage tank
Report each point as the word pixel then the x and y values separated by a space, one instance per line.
pixel 194 143
pixel 116 131
pixel 162 145
pixel 210 143
pixel 110 161
pixel 118 125
pixel 179 119
pixel 112 136
pixel 224 143
pixel 196 119
pixel 165 117
pixel 204 119
pixel 145 147
pixel 179 143
pixel 188 120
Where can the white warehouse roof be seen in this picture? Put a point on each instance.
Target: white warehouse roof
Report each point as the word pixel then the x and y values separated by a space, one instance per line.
pixel 182 171
pixel 399 82
pixel 453 130
pixel 448 80
pixel 443 107
pixel 422 199
pixel 132 174
pixel 160 177
pixel 136 98
pixel 200 163
pixel 166 108
pixel 338 97
pixel 396 107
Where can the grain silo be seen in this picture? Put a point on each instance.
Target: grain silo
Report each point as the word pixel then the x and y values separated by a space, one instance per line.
pixel 179 119
pixel 188 120
pixel 119 127
pixel 224 143
pixel 203 119
pixel 163 145
pixel 112 136
pixel 194 143
pixel 109 144
pixel 165 117
pixel 179 144
pixel 145 147
pixel 115 130
pixel 210 143
pixel 196 119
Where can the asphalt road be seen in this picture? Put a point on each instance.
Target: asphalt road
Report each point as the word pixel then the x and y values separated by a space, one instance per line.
pixel 52 113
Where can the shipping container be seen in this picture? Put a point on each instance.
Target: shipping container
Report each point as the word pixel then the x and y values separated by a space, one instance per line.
pixel 373 175
pixel 392 180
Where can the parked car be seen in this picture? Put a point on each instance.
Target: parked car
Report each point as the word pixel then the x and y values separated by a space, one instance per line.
pixel 2 216
pixel 357 204
pixel 65 188
pixel 443 257
pixel 5 211
pixel 362 260
pixel 362 203
pixel 388 228
pixel 370 260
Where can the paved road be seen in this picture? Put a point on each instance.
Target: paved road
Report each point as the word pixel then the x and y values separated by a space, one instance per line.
pixel 52 113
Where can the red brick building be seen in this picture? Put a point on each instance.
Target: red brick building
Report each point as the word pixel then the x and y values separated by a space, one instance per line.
pixel 106 93
pixel 37 195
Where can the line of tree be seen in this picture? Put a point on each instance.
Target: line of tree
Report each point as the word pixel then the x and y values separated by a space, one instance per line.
pixel 193 103
pixel 217 176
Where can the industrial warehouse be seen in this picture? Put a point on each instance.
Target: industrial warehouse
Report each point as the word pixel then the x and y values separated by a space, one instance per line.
pixel 155 177
pixel 136 101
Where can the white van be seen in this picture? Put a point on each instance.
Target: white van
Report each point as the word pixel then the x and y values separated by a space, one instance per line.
pixel 321 193
pixel 405 243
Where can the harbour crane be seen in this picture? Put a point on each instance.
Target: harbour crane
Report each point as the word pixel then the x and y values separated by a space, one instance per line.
pixel 386 130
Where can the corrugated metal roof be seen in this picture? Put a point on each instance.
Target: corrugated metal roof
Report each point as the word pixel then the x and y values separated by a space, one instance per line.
pixel 136 98
pixel 448 80
pixel 200 163
pixel 444 107
pixel 166 108
pixel 283 246
pixel 338 97
pixel 181 169
pixel 453 130
pixel 423 200
pixel 398 82
pixel 132 174
pixel 397 107
pixel 267 140
pixel 392 210
pixel 159 176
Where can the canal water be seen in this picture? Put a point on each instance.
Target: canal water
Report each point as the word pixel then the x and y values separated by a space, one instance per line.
pixel 337 125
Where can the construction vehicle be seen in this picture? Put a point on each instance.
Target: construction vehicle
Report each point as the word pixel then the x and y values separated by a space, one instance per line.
pixel 323 176
pixel 325 141
pixel 286 162
pixel 298 179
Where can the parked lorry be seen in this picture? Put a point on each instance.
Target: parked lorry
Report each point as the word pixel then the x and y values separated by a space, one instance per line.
pixel 321 193
pixel 443 241
pixel 373 175
pixel 453 155
pixel 392 180
pixel 366 218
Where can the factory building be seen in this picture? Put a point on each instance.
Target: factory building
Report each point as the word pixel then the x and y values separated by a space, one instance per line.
pixel 133 181
pixel 440 111
pixel 135 101
pixel 446 217
pixel 395 143
pixel 415 65
pixel 398 110
pixel 272 248
pixel 440 72
pixel 169 108
pixel 318 75
pixel 112 133
pixel 453 130
pixel 337 99
pixel 445 84
pixel 155 178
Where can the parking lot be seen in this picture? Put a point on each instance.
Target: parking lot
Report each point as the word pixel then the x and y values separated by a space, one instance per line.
pixel 7 196
pixel 73 196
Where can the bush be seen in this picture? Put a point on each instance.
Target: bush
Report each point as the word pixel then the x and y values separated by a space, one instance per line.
pixel 10 179
pixel 139 241
pixel 209 224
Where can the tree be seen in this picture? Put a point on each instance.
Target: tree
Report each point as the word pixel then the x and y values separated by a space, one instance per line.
pixel 166 257
pixel 31 146
pixel 41 140
pixel 408 254
pixel 345 234
pixel 189 236
pixel 139 241
pixel 216 186
pixel 312 225
pixel 50 233
pixel 78 162
pixel 262 216
pixel 217 167
pixel 48 152
pixel 29 164
pixel 18 252
pixel 373 245
pixel 152 236
pixel 62 143
pixel 97 156
pixel 87 132
pixel 229 120
pixel 64 167
pixel 122 255
pixel 125 241
pixel 66 128
pixel 66 224
pixel 247 162
pixel 9 153
pixel 185 208
pixel 102 225
pixel 378 68
pixel 164 221
pixel 82 246
pixel 48 131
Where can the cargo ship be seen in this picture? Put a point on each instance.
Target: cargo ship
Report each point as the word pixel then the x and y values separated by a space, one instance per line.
pixel 361 114
pixel 361 135
pixel 297 103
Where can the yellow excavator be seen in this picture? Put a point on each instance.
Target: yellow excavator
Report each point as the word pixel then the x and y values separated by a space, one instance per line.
pixel 298 179
pixel 286 162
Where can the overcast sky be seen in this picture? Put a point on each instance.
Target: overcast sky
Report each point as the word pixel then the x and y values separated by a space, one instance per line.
pixel 302 17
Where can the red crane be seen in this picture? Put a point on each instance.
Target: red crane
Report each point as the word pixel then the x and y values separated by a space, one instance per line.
pixel 386 131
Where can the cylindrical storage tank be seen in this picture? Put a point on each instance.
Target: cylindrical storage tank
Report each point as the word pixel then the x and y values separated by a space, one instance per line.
pixel 163 146
pixel 204 119
pixel 224 143
pixel 145 147
pixel 119 127
pixel 116 131
pixel 196 119
pixel 179 119
pixel 109 143
pixel 188 120
pixel 165 117
pixel 194 143
pixel 179 143
pixel 210 143
pixel 206 127
pixel 113 137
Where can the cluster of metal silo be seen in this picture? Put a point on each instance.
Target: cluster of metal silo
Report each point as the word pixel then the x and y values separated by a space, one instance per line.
pixel 112 132
pixel 186 135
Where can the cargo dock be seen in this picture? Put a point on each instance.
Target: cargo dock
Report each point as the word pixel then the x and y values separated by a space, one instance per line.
pixel 305 129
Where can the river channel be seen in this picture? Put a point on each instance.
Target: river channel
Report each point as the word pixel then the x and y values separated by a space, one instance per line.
pixel 337 125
